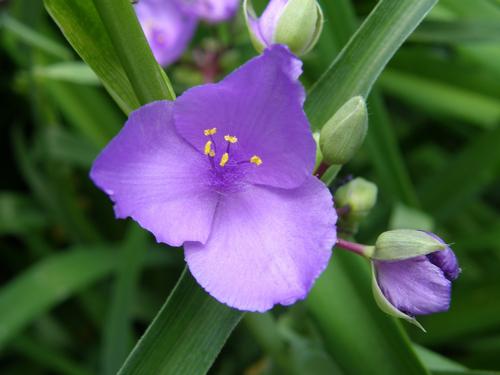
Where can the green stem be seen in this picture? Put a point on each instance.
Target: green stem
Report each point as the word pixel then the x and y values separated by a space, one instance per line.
pixel 130 44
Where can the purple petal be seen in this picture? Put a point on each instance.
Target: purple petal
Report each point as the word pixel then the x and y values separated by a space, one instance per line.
pixel 261 104
pixel 167 29
pixel 254 24
pixel 414 286
pixel 445 259
pixel 156 178
pixel 267 245
pixel 210 10
pixel 268 21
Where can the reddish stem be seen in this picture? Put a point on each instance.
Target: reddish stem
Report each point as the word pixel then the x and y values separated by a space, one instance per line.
pixel 322 168
pixel 351 246
pixel 344 210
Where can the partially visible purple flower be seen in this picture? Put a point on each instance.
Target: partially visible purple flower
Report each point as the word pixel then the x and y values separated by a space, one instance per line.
pixel 419 285
pixel 210 10
pixel 167 28
pixel 226 171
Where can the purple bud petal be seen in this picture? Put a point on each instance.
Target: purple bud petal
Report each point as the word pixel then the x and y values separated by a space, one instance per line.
pixel 445 259
pixel 414 286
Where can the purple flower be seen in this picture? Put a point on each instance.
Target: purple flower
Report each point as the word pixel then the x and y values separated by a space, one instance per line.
pixel 210 10
pixel 226 171
pixel 167 28
pixel 418 285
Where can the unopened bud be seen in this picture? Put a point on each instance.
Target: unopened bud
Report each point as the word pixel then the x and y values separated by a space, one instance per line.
pixel 295 23
pixel 359 195
pixel 344 133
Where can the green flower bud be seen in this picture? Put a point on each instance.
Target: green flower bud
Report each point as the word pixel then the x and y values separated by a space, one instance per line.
pixel 344 133
pixel 359 195
pixel 404 244
pixel 295 23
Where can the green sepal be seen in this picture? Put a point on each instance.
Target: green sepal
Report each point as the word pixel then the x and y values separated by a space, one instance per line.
pixel 405 243
pixel 299 25
pixel 248 11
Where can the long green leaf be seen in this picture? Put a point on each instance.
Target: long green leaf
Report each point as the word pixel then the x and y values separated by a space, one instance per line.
pixel 19 215
pixel 82 27
pixel 33 38
pixel 147 78
pixel 442 99
pixel 459 181
pixel 69 71
pixel 457 32
pixel 365 56
pixel 117 339
pixel 186 335
pixel 52 360
pixel 436 362
pixel 48 283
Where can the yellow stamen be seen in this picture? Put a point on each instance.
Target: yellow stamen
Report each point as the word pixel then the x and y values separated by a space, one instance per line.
pixel 208 149
pixel 208 132
pixel 212 153
pixel 231 138
pixel 256 160
pixel 224 159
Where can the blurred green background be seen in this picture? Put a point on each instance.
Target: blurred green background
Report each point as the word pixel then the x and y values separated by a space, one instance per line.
pixel 78 288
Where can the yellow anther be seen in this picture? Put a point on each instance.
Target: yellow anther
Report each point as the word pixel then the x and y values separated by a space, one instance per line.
pixel 212 153
pixel 231 138
pixel 208 149
pixel 256 160
pixel 208 132
pixel 224 159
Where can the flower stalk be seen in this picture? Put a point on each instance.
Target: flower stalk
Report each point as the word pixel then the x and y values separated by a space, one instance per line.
pixel 355 248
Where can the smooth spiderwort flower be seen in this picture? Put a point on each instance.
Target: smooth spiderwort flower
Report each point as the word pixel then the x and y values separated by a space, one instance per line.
pixel 295 23
pixel 210 10
pixel 226 171
pixel 167 28
pixel 416 280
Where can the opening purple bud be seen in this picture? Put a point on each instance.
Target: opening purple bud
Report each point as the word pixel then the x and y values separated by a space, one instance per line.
pixel 295 23
pixel 417 285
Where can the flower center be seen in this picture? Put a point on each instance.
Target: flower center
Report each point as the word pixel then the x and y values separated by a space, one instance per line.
pixel 228 171
pixel 211 150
